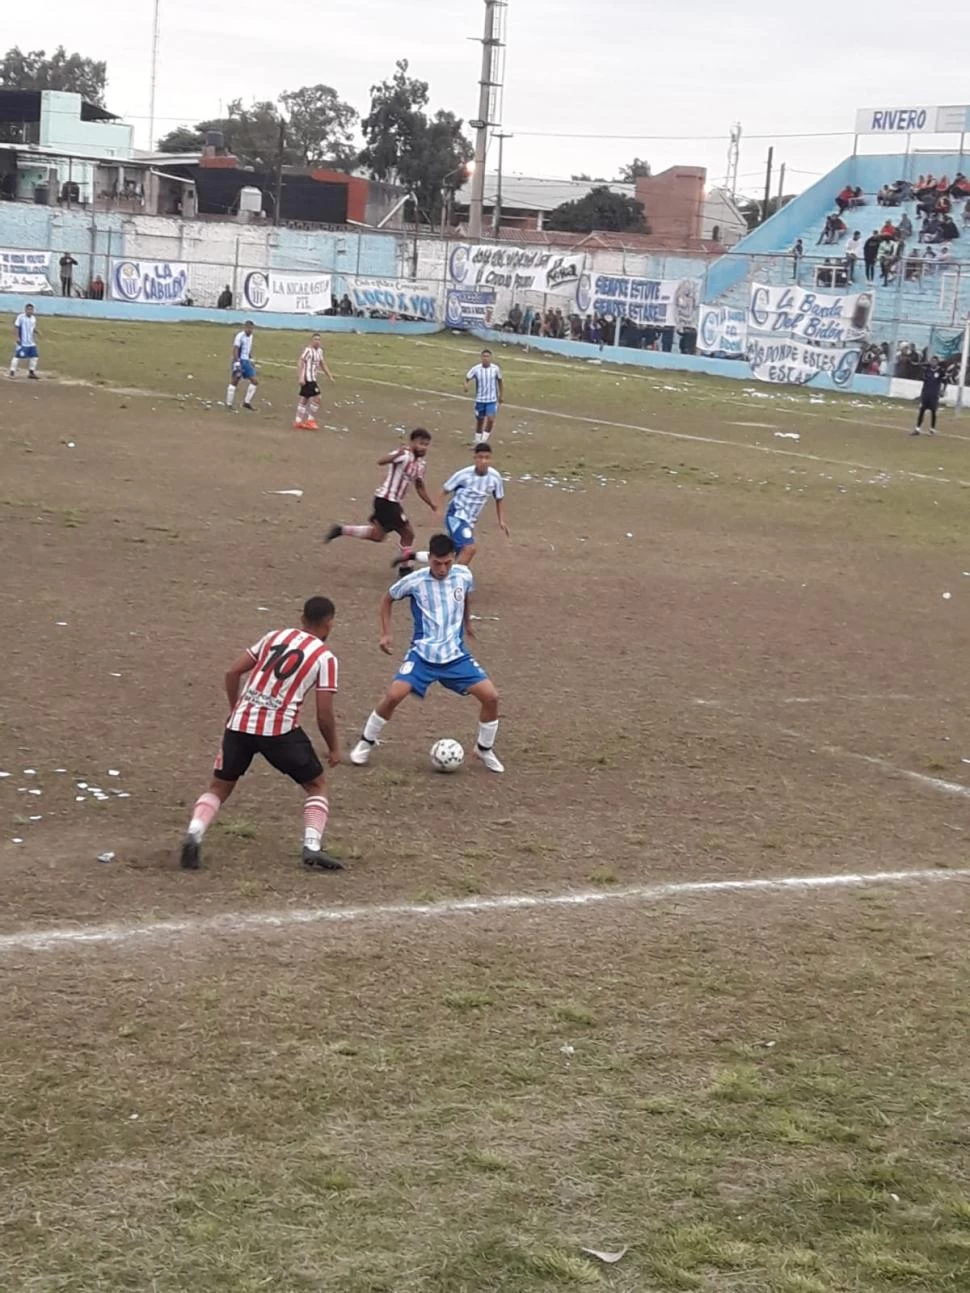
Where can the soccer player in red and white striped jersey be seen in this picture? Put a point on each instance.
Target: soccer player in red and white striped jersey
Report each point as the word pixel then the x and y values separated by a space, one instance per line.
pixel 312 364
pixel 405 466
pixel 279 671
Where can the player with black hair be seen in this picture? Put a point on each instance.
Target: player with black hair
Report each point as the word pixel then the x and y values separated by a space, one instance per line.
pixel 439 597
pixel 264 711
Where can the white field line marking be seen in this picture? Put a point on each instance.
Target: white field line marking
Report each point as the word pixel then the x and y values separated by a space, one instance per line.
pixel 41 940
pixel 674 435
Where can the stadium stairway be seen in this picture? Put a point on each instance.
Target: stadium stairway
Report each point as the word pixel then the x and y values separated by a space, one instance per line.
pixel 916 310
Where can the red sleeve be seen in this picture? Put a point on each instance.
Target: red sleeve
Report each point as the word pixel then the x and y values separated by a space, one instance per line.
pixel 327 673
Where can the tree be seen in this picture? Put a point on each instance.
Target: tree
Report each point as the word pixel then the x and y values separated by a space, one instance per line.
pixel 320 126
pixel 402 143
pixel 599 209
pixel 633 171
pixel 751 209
pixel 318 130
pixel 62 71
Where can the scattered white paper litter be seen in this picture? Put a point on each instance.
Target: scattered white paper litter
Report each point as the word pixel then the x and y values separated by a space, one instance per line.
pixel 36 817
pixel 947 596
pixel 787 435
pixel 290 493
pixel 4 774
pixel 16 840
pixel 61 624
pixel 115 675
pixel 610 1258
pixel 262 608
pixel 35 792
pixel 106 857
pixel 113 772
pixel 30 772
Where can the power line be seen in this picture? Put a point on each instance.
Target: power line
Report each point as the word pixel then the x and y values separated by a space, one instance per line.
pixel 563 134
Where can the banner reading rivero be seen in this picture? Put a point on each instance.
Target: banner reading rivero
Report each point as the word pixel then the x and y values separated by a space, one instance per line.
pixel 284 291
pixel 152 282
pixel 665 302
pixel 387 296
pixel 25 271
pixel 521 269
pixel 794 335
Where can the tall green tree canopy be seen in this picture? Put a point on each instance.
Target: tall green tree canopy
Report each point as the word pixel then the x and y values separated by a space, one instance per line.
pixel 34 70
pixel 599 209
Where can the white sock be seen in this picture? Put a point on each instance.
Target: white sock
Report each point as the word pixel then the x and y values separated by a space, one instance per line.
pixel 14 365
pixel 230 396
pixel 486 734
pixel 373 727
pixel 314 409
pixel 250 392
pixel 301 412
pixel 32 365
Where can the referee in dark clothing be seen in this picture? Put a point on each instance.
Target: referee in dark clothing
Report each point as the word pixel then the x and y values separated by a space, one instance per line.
pixel 934 384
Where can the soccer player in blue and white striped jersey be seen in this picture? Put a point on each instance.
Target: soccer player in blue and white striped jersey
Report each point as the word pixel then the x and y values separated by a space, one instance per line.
pixel 488 394
pixel 440 606
pixel 25 343
pixel 471 488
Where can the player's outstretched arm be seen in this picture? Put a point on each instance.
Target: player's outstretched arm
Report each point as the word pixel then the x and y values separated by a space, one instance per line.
pixel 327 723
pixel 235 674
pixel 389 458
pixel 422 492
pixel 500 514
pixel 387 604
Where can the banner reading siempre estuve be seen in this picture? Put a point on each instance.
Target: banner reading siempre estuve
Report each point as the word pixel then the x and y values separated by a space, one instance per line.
pixel 795 334
pixel 387 296
pixel 522 269
pixel 665 302
pixel 285 291
pixel 25 271
pixel 156 282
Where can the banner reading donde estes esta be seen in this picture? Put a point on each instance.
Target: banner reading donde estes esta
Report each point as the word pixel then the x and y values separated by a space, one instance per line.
pixel 285 291
pixel 794 335
pixel 523 269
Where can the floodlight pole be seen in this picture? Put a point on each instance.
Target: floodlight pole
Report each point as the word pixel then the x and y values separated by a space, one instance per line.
pixel 154 77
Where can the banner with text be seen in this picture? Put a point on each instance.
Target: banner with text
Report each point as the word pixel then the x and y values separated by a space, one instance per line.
pixel 810 316
pixel 665 302
pixel 795 335
pixel 722 330
pixel 908 120
pixel 523 269
pixel 285 291
pixel 388 296
pixel 161 282
pixel 25 271
pixel 469 309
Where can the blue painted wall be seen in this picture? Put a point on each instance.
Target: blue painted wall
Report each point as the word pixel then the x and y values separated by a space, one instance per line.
pixel 738 370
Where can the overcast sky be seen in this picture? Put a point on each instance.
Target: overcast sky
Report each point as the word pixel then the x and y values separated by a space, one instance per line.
pixel 614 67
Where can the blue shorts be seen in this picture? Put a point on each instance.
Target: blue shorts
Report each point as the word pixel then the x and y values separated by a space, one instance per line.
pixel 245 368
pixel 461 533
pixel 457 675
pixel 488 410
pixel 26 352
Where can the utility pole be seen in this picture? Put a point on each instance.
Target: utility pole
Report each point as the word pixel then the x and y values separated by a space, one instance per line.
pixel 501 136
pixel 781 185
pixel 764 210
pixel 279 173
pixel 734 154
pixel 488 86
pixel 154 78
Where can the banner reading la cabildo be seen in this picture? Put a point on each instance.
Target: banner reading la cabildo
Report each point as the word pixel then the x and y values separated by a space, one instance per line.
pixel 795 335
pixel 157 282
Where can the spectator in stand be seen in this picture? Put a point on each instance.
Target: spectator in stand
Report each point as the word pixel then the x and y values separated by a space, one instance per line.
pixel 575 327
pixel 944 257
pixel 888 230
pixel 587 329
pixel 905 226
pixel 346 306
pixel 225 299
pixel 913 267
pixel 942 185
pixel 833 230
pixel 852 249
pixel 884 197
pixel 67 264
pixel 96 290
pixel 903 191
pixel 925 185
pixel 845 199
pixel 960 186
pixel 798 251
pixel 966 213
pixel 596 331
pixel 536 329
pixel 870 254
pixel 943 205
pixel 929 262
pixel 526 328
pixel 930 232
pixel 948 229
pixel 934 385
pixel 889 261
pixel 515 317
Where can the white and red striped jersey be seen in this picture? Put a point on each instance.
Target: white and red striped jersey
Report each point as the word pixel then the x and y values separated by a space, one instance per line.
pixel 310 363
pixel 287 663
pixel 405 468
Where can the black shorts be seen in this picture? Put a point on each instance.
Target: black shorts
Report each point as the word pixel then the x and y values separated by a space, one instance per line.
pixel 389 516
pixel 292 754
pixel 309 391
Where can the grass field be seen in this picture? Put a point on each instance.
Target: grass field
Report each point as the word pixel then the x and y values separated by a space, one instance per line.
pixel 725 653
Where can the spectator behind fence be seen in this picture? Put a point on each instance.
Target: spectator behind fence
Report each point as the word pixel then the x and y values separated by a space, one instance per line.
pixel 67 264
pixel 835 228
pixel 905 226
pixel 870 254
pixel 96 289
pixel 852 249
pixel 515 317
pixel 889 261
pixel 225 299
pixel 845 198
pixel 798 251
pixel 948 229
pixel 930 231
pixel 888 230
pixel 346 305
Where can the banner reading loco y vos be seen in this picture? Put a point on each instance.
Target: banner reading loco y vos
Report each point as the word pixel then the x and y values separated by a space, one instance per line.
pixel 830 320
pixel 523 269
pixel 387 296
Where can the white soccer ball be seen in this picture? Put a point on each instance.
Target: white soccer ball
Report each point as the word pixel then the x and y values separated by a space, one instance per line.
pixel 447 755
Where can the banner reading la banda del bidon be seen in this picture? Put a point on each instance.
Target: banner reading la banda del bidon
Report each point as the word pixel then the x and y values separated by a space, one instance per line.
pixel 794 334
